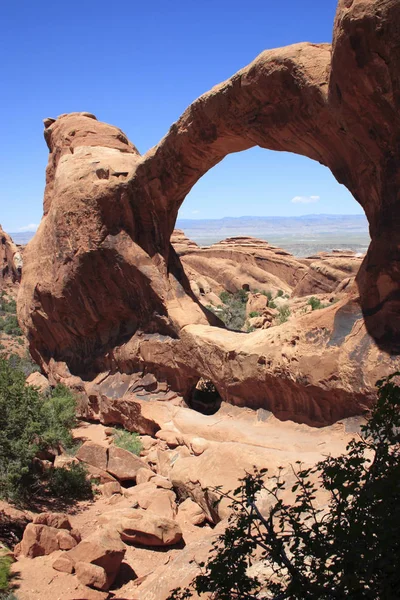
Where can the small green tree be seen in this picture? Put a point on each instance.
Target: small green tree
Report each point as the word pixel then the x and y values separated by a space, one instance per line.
pixel 233 312
pixel 59 416
pixel 29 423
pixel 348 549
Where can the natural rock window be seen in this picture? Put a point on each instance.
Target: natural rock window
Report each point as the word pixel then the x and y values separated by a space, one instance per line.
pixel 205 397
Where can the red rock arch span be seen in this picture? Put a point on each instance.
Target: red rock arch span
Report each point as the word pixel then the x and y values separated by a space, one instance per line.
pixel 100 269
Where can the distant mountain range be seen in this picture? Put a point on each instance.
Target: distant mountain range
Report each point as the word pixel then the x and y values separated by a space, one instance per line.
pixel 300 235
pixel 22 237
pixel 277 224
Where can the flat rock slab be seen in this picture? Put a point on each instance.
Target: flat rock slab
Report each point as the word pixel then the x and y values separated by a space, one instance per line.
pixel 123 464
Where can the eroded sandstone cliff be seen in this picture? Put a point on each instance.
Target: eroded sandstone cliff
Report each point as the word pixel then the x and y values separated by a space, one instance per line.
pixel 10 259
pixel 104 290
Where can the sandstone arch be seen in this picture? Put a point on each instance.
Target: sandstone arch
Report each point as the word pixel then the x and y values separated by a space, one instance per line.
pixel 101 270
pixel 335 104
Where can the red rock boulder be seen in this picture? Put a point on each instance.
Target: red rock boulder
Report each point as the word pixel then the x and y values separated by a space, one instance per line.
pixel 104 549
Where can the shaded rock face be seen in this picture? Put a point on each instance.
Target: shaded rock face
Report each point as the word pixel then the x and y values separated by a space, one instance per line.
pixel 10 259
pixel 103 288
pixel 103 274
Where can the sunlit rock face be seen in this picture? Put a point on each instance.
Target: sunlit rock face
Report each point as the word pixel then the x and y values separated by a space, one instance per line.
pixel 10 259
pixel 104 289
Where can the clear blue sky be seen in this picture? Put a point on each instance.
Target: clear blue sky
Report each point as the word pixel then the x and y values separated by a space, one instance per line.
pixel 138 65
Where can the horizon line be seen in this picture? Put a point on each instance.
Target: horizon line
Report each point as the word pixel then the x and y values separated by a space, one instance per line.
pixel 272 216
pixel 241 217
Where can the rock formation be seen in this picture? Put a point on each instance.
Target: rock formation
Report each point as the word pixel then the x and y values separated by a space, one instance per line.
pixel 103 288
pixel 249 263
pixel 329 272
pixel 148 538
pixel 10 259
pixel 47 533
pixel 239 263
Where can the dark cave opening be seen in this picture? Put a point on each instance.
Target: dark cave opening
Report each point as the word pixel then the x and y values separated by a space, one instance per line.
pixel 205 398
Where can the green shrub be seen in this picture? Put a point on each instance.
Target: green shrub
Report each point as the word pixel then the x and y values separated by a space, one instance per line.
pixel 279 294
pixel 10 307
pixel 70 483
pixel 9 325
pixel 302 550
pixel 23 363
pixel 6 305
pixel 28 423
pixel 128 441
pixel 268 294
pixel 224 297
pixel 20 428
pixel 241 296
pixel 253 314
pixel 59 412
pixel 271 304
pixel 5 564
pixel 284 314
pixel 233 313
pixel 316 303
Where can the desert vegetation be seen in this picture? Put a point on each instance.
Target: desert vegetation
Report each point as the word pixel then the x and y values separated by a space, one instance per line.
pixel 5 563
pixel 69 483
pixel 283 314
pixel 316 303
pixel 33 425
pixel 127 440
pixel 8 316
pixel 233 311
pixel 5 575
pixel 23 363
